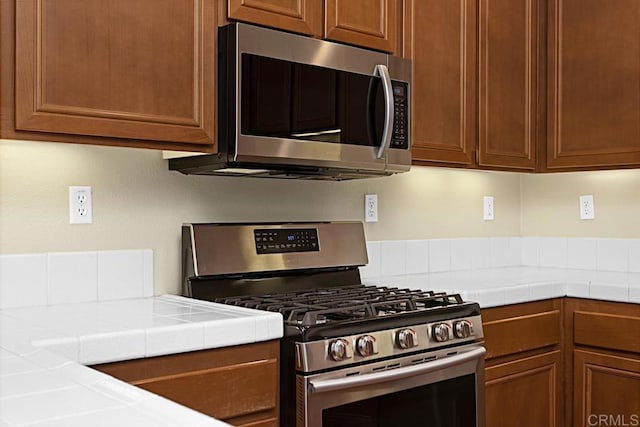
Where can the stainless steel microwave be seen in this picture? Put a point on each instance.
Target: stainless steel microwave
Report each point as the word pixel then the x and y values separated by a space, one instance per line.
pixel 295 107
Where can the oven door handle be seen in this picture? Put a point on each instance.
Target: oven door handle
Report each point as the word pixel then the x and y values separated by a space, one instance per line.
pixel 324 386
pixel 382 71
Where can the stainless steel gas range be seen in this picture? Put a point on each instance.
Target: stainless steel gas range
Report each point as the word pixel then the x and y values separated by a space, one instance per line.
pixel 351 355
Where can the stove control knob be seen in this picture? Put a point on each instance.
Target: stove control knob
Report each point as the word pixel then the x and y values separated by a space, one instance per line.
pixel 367 345
pixel 406 338
pixel 463 329
pixel 340 350
pixel 441 332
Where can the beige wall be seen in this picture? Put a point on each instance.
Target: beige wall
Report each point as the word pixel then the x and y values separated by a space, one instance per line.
pixel 138 203
pixel 550 204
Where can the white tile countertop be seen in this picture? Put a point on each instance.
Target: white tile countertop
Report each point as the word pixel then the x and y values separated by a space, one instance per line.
pixel 43 349
pixel 509 285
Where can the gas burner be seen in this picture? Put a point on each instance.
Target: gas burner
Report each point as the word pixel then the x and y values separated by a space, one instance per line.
pixel 343 304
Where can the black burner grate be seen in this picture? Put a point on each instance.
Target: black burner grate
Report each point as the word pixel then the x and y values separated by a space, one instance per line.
pixel 318 306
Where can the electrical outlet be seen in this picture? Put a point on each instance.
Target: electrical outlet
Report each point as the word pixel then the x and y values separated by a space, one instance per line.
pixel 371 208
pixel 488 208
pixel 587 208
pixel 80 205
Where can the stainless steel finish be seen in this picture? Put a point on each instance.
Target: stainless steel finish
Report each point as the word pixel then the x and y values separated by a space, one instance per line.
pixel 441 332
pixel 367 345
pixel 330 389
pixel 305 50
pixel 389 111
pixel 313 356
pixel 340 350
pixel 229 249
pixel 406 338
pixel 462 329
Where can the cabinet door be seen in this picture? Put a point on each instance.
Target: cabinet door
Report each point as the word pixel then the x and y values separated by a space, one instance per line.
pixel 507 80
pixel 143 69
pixel 608 386
pixel 593 83
pixel 298 16
pixel 440 39
pixel 525 392
pixel 366 23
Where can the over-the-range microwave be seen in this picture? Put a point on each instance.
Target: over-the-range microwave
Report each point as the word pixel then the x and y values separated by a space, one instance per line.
pixel 296 107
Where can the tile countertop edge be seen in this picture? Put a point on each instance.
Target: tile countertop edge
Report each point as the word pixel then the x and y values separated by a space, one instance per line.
pixel 512 285
pixel 38 363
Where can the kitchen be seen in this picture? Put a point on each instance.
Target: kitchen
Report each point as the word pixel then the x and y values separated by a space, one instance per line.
pixel 138 204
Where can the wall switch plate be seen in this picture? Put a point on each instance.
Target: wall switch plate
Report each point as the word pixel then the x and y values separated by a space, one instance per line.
pixel 488 208
pixel 371 208
pixel 587 208
pixel 80 205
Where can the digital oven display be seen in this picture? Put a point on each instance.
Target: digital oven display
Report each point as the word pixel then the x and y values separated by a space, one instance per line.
pixel 270 241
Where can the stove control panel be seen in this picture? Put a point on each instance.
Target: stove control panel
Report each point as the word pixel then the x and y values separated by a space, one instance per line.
pixel 280 241
pixel 365 347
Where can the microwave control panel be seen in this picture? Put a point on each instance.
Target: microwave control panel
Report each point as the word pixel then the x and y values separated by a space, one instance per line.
pixel 399 137
pixel 279 241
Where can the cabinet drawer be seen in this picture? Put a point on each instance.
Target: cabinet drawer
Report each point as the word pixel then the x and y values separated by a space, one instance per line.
pixel 612 331
pixel 522 333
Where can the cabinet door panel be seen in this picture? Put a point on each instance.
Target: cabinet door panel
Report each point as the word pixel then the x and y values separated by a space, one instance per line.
pixel 142 69
pixel 367 23
pixel 298 16
pixel 442 49
pixel 525 393
pixel 605 385
pixel 594 83
pixel 507 107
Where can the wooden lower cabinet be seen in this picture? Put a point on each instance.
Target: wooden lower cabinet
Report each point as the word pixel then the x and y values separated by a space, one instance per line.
pixel 238 385
pixel 606 389
pixel 524 365
pixel 525 392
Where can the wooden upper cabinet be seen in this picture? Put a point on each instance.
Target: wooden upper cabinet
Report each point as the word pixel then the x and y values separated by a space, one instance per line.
pixel 593 83
pixel 507 80
pixel 141 69
pixel 367 23
pixel 298 16
pixel 440 38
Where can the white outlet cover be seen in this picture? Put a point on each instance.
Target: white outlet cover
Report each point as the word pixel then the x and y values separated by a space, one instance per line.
pixel 587 207
pixel 371 208
pixel 488 210
pixel 80 205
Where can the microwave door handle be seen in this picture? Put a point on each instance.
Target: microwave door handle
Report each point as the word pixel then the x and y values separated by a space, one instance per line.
pixel 383 72
pixel 322 386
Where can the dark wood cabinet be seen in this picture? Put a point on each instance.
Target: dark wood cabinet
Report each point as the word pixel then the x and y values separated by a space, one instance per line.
pixel 142 70
pixel 371 24
pixel 602 362
pixel 238 385
pixel 367 23
pixel 440 39
pixel 593 100
pixel 508 43
pixel 605 385
pixel 475 66
pixel 524 365
pixel 298 16
pixel 526 392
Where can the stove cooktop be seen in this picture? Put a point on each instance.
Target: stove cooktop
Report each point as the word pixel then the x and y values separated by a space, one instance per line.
pixel 345 303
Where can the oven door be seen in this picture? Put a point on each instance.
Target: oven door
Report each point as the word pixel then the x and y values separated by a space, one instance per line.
pixel 445 392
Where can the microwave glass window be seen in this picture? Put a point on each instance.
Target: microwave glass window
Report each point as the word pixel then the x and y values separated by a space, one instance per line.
pixel 449 403
pixel 284 99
